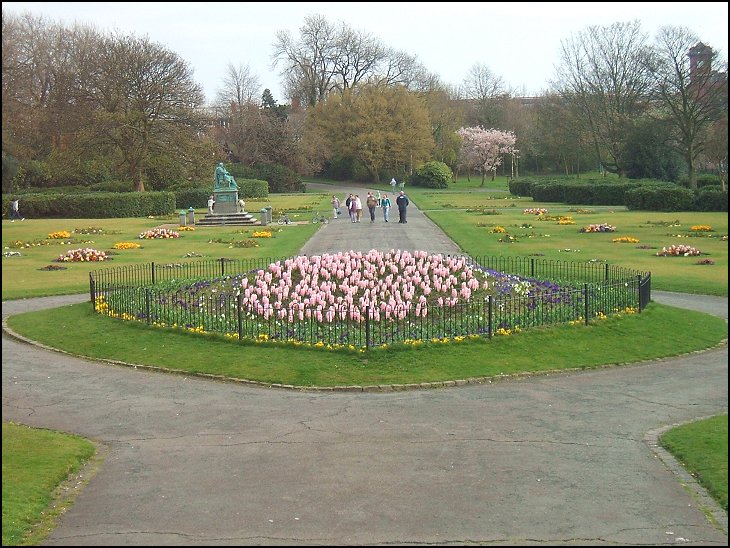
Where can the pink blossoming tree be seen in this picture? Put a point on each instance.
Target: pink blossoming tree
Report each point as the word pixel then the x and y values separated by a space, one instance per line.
pixel 485 148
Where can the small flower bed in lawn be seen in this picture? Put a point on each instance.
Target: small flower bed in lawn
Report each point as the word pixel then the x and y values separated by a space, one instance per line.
pixel 90 230
pixel 680 250
pixel 261 234
pixel 12 254
pixel 625 240
pixel 498 230
pixel 186 228
pixel 126 245
pixel 158 233
pixel 535 211
pixel 82 255
pixel 59 235
pixel 701 228
pixel 601 227
pixel 705 261
pixel 566 221
pixel 53 267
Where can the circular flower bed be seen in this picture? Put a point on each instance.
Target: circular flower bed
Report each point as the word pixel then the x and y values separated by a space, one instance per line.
pixel 680 250
pixel 126 245
pixel 158 233
pixel 82 255
pixel 602 227
pixel 59 235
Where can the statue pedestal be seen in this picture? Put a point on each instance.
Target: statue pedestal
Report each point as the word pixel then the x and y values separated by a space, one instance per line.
pixel 225 201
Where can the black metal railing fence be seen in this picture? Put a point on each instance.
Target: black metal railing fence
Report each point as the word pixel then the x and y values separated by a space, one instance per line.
pixel 146 293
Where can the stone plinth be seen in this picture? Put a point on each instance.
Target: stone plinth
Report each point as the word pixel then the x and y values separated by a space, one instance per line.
pixel 225 200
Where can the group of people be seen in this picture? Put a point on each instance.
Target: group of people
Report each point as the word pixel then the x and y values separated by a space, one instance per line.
pixel 354 206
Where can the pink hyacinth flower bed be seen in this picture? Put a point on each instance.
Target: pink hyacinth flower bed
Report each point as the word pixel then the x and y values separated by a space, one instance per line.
pixel 82 255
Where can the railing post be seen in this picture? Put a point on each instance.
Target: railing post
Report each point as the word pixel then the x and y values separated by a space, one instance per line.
pixel 92 290
pixel 605 276
pixel 641 293
pixel 148 304
pixel 489 315
pixel 367 327
pixel 223 268
pixel 585 303
pixel 532 267
pixel 153 273
pixel 239 311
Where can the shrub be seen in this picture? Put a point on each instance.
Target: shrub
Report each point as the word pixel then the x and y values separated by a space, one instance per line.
pixel 432 174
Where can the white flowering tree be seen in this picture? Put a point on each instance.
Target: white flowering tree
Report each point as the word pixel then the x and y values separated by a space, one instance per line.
pixel 485 148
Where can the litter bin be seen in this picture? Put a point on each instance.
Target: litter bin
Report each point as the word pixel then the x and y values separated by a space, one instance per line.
pixel 269 215
pixel 182 217
pixel 191 216
pixel 264 218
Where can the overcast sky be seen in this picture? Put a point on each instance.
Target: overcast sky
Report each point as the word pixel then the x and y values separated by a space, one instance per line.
pixel 518 41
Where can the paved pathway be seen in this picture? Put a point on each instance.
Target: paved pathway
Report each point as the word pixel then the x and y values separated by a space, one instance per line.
pixel 562 459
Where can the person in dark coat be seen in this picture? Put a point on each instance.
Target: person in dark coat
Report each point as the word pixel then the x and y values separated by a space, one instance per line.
pixel 402 202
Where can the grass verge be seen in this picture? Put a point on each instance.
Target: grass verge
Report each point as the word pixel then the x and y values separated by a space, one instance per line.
pixel 36 463
pixel 663 331
pixel 701 447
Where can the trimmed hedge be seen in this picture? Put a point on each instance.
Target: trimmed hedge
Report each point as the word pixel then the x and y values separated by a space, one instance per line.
pixel 644 194
pixel 96 205
pixel 660 197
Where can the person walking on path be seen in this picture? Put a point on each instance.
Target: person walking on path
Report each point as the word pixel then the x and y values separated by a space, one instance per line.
pixel 358 208
pixel 15 211
pixel 372 203
pixel 402 202
pixel 211 203
pixel 352 207
pixel 335 206
pixel 385 204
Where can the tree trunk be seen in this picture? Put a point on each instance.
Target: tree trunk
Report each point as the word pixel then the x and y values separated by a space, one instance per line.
pixel 691 169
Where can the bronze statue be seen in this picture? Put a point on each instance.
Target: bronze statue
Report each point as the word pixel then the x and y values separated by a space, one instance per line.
pixel 223 179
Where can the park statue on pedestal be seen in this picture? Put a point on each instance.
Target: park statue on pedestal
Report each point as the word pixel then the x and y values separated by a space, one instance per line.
pixel 223 179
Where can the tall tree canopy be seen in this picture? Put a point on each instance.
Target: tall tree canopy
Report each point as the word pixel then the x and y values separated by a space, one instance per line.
pixel 383 128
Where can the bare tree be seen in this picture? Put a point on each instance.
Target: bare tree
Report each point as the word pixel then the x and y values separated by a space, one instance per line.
pixel 485 93
pixel 603 73
pixel 328 58
pixel 691 89
pixel 147 103
pixel 240 87
pixel 358 55
pixel 310 62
